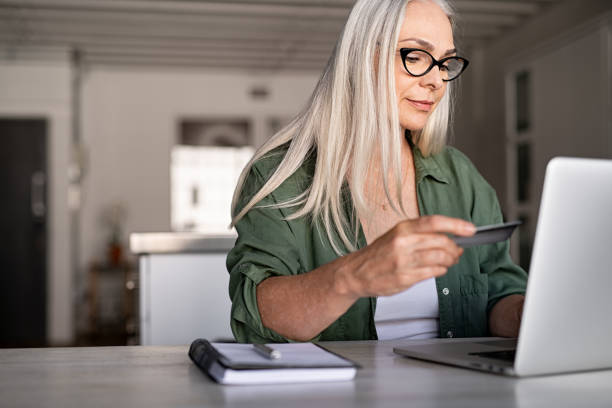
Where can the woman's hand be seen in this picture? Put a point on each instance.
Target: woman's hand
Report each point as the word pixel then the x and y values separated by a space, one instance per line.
pixel 412 251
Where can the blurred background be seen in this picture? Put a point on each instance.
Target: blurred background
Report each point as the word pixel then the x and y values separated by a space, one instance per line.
pixel 122 117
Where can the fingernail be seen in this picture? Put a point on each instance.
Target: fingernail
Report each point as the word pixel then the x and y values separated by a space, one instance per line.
pixel 469 227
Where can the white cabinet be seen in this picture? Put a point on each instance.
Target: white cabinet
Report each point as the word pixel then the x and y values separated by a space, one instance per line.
pixel 183 288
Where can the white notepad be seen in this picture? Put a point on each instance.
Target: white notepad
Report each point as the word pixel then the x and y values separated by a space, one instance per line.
pixel 232 363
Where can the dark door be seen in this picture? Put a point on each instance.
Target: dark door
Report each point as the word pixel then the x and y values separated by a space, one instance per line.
pixel 23 224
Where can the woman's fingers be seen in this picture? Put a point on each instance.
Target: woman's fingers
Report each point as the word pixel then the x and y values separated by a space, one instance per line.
pixel 422 241
pixel 427 272
pixel 440 223
pixel 434 257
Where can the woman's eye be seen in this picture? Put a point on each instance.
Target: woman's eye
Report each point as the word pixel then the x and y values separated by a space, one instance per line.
pixel 414 57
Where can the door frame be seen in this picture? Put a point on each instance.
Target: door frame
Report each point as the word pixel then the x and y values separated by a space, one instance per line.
pixel 51 101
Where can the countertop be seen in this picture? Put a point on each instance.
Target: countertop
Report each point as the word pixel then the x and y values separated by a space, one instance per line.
pixel 179 242
pixel 150 377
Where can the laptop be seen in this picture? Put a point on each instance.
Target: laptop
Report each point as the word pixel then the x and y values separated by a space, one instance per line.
pixel 567 317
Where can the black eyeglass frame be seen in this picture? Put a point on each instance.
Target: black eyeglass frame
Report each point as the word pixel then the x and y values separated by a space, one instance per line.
pixel 434 62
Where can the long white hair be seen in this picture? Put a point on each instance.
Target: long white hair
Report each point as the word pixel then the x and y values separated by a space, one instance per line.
pixel 352 115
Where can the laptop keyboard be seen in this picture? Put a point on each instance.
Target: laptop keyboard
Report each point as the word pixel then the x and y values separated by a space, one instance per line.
pixel 505 355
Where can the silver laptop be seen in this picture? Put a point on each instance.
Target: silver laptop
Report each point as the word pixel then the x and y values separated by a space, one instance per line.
pixel 567 318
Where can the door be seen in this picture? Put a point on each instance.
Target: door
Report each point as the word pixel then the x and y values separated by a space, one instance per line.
pixel 23 225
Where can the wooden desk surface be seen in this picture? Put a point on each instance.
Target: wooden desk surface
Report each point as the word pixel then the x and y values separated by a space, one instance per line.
pixel 150 377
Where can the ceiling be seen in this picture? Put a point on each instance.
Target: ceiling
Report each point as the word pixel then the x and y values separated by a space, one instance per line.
pixel 252 35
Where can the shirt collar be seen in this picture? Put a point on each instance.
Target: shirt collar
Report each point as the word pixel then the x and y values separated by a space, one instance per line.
pixel 427 166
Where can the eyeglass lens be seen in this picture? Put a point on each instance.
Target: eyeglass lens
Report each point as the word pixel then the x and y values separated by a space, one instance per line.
pixel 418 62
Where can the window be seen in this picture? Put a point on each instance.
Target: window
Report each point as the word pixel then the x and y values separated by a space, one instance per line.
pixel 205 168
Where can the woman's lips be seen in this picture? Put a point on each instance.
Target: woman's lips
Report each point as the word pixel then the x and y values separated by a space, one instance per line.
pixel 421 105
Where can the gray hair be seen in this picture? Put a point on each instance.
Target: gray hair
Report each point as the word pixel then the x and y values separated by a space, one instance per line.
pixel 351 114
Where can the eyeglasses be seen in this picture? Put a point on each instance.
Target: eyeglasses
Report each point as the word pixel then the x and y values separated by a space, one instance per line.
pixel 419 62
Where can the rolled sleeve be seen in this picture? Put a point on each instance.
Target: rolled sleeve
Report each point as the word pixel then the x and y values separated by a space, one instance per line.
pixel 245 318
pixel 504 276
pixel 265 247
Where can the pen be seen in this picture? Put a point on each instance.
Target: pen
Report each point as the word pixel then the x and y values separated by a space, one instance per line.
pixel 267 352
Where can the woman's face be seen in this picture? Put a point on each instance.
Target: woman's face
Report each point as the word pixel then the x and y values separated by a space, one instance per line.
pixel 425 27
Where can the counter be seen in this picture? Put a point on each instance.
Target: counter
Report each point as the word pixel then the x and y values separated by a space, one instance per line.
pixel 151 377
pixel 169 243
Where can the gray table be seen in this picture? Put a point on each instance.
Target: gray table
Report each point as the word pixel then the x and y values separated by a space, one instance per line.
pixel 165 377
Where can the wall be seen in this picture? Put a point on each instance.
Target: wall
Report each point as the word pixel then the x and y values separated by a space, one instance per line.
pixel 576 122
pixel 43 90
pixel 569 114
pixel 130 123
pixel 480 124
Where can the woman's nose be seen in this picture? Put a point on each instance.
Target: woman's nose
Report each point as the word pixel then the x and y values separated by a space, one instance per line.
pixel 433 78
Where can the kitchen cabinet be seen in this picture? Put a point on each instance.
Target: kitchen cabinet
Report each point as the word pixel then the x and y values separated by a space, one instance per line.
pixel 183 287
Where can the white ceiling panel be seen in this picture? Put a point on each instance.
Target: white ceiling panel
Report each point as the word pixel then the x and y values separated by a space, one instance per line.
pixel 251 35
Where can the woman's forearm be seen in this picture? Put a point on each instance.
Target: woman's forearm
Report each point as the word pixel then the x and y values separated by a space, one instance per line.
pixel 299 307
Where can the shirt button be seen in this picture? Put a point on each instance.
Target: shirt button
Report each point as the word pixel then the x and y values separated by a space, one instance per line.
pixel 449 334
pixel 445 291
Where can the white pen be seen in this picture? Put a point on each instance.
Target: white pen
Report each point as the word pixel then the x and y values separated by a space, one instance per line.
pixel 267 352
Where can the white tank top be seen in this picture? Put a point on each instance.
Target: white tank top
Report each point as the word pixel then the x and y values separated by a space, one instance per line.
pixel 411 314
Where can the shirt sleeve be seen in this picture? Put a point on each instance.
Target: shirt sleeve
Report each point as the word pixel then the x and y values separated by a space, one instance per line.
pixel 504 276
pixel 265 247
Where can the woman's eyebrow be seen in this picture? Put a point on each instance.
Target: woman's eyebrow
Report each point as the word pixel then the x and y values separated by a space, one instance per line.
pixel 427 46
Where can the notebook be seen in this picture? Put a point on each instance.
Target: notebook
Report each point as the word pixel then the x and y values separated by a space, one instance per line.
pixel 234 363
pixel 565 325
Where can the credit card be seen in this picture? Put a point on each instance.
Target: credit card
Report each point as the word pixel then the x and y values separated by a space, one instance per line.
pixel 488 234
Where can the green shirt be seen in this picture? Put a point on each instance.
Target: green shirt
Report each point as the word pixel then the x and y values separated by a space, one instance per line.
pixel 447 184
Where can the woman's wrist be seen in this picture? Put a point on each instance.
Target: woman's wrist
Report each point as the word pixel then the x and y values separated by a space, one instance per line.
pixel 343 281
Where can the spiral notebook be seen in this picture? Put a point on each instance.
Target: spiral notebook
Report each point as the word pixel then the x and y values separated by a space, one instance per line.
pixel 233 363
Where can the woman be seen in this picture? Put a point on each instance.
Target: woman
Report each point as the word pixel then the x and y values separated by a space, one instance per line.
pixel 335 214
